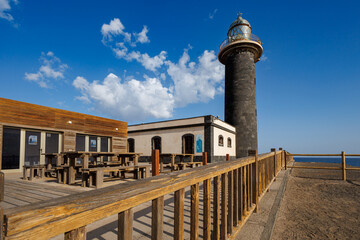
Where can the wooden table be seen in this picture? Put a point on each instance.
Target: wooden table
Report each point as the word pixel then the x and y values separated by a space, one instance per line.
pixel 71 156
pixel 172 156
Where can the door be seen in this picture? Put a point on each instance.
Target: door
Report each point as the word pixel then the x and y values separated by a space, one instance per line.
pixel 104 146
pixel 52 144
pixel 80 145
pixel 188 144
pixel 11 148
pixel 32 148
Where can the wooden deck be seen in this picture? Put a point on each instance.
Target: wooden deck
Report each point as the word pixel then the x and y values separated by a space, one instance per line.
pixel 19 192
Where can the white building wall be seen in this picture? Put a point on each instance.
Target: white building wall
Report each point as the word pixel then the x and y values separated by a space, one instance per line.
pixel 223 150
pixel 171 139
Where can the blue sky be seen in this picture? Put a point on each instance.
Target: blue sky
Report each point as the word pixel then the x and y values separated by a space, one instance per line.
pixel 144 61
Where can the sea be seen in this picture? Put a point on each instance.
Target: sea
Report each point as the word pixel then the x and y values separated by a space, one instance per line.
pixel 353 161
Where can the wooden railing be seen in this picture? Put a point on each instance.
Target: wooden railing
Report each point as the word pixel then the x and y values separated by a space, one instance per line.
pixel 343 162
pixel 237 187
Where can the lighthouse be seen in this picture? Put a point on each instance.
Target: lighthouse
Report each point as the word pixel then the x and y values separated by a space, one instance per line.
pixel 239 52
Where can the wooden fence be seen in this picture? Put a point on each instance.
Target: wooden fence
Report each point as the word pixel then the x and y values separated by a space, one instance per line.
pixel 237 187
pixel 343 162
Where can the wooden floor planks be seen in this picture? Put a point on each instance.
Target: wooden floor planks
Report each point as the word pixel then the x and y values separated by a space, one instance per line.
pixel 20 193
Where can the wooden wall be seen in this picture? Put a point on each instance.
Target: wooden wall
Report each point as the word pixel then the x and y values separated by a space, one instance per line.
pixel 119 144
pixel 21 113
pixel 1 139
pixel 69 141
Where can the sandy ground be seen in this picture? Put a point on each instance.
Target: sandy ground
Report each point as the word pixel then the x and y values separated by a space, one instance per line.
pixel 317 204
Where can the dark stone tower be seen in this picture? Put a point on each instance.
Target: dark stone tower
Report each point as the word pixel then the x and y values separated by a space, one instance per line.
pixel 239 53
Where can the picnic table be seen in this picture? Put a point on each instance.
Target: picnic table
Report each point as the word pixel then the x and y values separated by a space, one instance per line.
pixel 178 166
pixel 69 169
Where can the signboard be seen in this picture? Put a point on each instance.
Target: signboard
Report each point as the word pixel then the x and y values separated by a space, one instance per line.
pixel 93 143
pixel 199 141
pixel 32 140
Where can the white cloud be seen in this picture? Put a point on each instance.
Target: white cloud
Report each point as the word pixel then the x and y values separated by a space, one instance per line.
pixel 141 36
pixel 5 8
pixel 115 29
pixel 264 58
pixel 131 100
pixel 212 14
pixel 51 69
pixel 196 82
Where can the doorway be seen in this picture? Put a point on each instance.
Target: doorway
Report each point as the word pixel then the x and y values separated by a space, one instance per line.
pixel 32 148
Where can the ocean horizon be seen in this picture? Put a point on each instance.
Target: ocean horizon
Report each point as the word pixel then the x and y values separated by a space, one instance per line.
pixel 353 161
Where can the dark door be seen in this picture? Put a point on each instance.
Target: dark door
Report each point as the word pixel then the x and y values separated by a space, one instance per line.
pixel 131 145
pixel 188 143
pixel 11 148
pixel 32 148
pixel 104 146
pixel 52 144
pixel 156 143
pixel 80 145
pixel 80 142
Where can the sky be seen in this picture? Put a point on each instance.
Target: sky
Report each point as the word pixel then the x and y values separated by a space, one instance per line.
pixel 145 61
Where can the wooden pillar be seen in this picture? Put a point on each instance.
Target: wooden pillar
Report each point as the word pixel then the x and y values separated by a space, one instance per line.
pixel 207 209
pixel 223 232
pixel 194 214
pixel 343 165
pixel 227 157
pixel 216 233
pixel 274 164
pixel 204 158
pixel 236 198
pixel 76 234
pixel 157 218
pixel 1 143
pixel 155 162
pixel 125 224
pixel 179 214
pixel 241 194
pixel 230 214
pixel 157 204
pixel 255 195
pixel 285 159
pixel 85 161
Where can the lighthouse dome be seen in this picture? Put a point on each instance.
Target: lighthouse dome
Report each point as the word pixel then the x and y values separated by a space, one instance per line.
pixel 239 29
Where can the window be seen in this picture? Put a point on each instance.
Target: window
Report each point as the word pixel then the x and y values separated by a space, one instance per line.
pixel 221 141
pixel 11 148
pixel 188 144
pixel 156 143
pixel 229 142
pixel 131 145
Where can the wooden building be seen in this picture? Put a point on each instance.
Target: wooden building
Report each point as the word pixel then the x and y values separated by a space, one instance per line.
pixel 27 130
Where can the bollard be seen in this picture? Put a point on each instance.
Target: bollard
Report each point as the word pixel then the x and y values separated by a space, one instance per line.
pixel 343 165
pixel 227 157
pixel 204 158
pixel 155 162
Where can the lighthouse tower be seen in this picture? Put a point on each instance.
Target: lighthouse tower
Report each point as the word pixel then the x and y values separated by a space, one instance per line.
pixel 239 52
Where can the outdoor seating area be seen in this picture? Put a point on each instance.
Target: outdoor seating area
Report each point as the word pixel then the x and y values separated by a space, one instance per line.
pixel 184 161
pixel 91 167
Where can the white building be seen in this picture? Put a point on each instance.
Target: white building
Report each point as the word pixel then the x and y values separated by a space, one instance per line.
pixel 189 135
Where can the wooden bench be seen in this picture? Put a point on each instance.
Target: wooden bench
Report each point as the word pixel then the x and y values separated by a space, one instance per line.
pixel 37 171
pixel 184 165
pixel 95 176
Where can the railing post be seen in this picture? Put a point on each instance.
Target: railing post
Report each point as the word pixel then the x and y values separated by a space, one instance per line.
pixel 274 151
pixel 179 214
pixel 343 165
pixel 125 224
pixel 194 214
pixel 157 204
pixel 223 232
pixel 227 157
pixel 256 180
pixel 2 182
pixel 76 234
pixel 207 209
pixel 204 158
pixel 285 160
pixel 155 162
pixel 216 224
